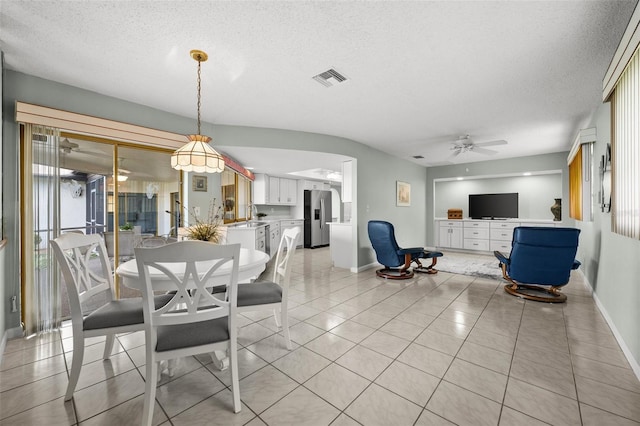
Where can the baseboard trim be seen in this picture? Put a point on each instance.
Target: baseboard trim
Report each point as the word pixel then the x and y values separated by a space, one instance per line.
pixel 11 333
pixel 365 267
pixel 635 366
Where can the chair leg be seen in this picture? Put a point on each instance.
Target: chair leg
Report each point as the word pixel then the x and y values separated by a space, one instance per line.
pixel 150 384
pixel 76 365
pixel 235 380
pixel 285 327
pixel 275 317
pixel 426 269
pixel 172 366
pixel 108 346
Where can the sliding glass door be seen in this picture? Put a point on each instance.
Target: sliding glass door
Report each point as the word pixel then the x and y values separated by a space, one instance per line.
pixel 76 183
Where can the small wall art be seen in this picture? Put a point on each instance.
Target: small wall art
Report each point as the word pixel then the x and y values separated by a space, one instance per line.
pixel 403 194
pixel 199 183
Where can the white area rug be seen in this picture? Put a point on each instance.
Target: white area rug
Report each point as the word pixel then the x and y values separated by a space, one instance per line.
pixel 479 265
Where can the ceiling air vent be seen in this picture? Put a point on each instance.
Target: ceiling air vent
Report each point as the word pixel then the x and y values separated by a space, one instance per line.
pixel 417 157
pixel 329 77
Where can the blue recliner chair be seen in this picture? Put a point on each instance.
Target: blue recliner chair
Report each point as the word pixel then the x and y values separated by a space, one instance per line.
pixel 396 260
pixel 540 262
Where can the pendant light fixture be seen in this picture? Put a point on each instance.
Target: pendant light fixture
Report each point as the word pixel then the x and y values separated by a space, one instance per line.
pixel 197 155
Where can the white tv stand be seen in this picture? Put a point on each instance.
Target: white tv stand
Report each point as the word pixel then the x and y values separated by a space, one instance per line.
pixel 481 234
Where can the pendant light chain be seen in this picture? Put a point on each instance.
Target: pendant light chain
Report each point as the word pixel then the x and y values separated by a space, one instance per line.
pixel 197 155
pixel 199 62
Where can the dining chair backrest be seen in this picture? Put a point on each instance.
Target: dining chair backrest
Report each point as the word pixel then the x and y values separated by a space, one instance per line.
pixel 286 250
pixel 193 321
pixel 95 312
pixel 85 267
pixel 188 266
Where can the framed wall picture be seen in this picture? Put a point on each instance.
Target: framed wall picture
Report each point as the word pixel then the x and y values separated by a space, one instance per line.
pixel 199 183
pixel 403 194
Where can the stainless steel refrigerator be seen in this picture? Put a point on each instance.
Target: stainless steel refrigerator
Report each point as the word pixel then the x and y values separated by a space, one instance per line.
pixel 317 212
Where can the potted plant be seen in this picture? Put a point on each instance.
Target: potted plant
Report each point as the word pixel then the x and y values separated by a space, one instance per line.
pixel 206 229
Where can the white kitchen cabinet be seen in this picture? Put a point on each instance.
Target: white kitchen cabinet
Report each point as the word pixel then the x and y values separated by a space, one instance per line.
pixel 260 189
pixel 274 237
pixel 293 223
pixel 315 184
pixel 272 190
pixel 288 191
pixel 347 181
pixel 251 237
pixel 450 232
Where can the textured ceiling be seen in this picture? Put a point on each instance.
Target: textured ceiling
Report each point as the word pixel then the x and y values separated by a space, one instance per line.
pixel 420 74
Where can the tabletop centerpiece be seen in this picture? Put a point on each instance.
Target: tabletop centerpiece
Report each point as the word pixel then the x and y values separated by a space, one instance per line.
pixel 207 228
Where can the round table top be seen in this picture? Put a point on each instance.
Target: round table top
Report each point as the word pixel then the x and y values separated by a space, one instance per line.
pixel 250 265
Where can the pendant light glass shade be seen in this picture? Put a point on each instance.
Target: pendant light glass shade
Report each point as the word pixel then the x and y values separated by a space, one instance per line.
pixel 197 155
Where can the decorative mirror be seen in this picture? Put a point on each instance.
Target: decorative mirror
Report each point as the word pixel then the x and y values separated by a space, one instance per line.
pixel 605 181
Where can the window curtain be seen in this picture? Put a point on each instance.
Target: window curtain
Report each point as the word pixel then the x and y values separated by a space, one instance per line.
pixel 40 224
pixel 575 186
pixel 625 151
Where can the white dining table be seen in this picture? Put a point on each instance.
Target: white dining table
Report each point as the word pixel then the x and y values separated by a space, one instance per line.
pixel 250 265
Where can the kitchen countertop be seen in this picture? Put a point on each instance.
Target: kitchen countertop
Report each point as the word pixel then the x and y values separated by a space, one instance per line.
pixel 247 225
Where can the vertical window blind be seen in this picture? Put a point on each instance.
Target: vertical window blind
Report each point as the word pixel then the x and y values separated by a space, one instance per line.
pixel 625 151
pixel 575 186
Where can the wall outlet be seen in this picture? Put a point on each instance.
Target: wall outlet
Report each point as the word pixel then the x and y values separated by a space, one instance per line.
pixel 14 305
pixel 196 210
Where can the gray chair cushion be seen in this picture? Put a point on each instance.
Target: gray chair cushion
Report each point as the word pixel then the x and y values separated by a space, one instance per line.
pixel 259 293
pixel 194 334
pixel 121 312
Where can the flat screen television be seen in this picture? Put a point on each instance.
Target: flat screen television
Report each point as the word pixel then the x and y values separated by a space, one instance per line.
pixel 493 206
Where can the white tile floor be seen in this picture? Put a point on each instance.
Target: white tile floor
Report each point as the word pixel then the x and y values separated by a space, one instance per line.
pixel 435 350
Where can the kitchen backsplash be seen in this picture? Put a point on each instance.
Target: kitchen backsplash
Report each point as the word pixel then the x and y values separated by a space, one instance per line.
pixel 275 211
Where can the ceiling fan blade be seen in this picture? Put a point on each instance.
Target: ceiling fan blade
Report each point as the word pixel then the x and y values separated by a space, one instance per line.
pixel 491 143
pixel 480 150
pixel 455 154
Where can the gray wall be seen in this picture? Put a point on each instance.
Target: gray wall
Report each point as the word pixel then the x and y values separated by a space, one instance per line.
pixel 4 304
pixel 537 163
pixel 376 175
pixel 610 261
pixel 535 193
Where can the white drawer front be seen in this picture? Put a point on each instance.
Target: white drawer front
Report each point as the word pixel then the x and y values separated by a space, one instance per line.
pixel 502 235
pixel 503 246
pixel 450 223
pixel 476 224
pixel 504 225
pixel 480 233
pixel 260 232
pixel 538 224
pixel 471 244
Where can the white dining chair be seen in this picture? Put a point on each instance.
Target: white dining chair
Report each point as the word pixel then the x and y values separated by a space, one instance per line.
pixel 85 266
pixel 273 295
pixel 194 321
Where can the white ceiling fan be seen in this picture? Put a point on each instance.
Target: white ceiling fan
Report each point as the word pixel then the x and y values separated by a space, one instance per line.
pixel 67 147
pixel 466 144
